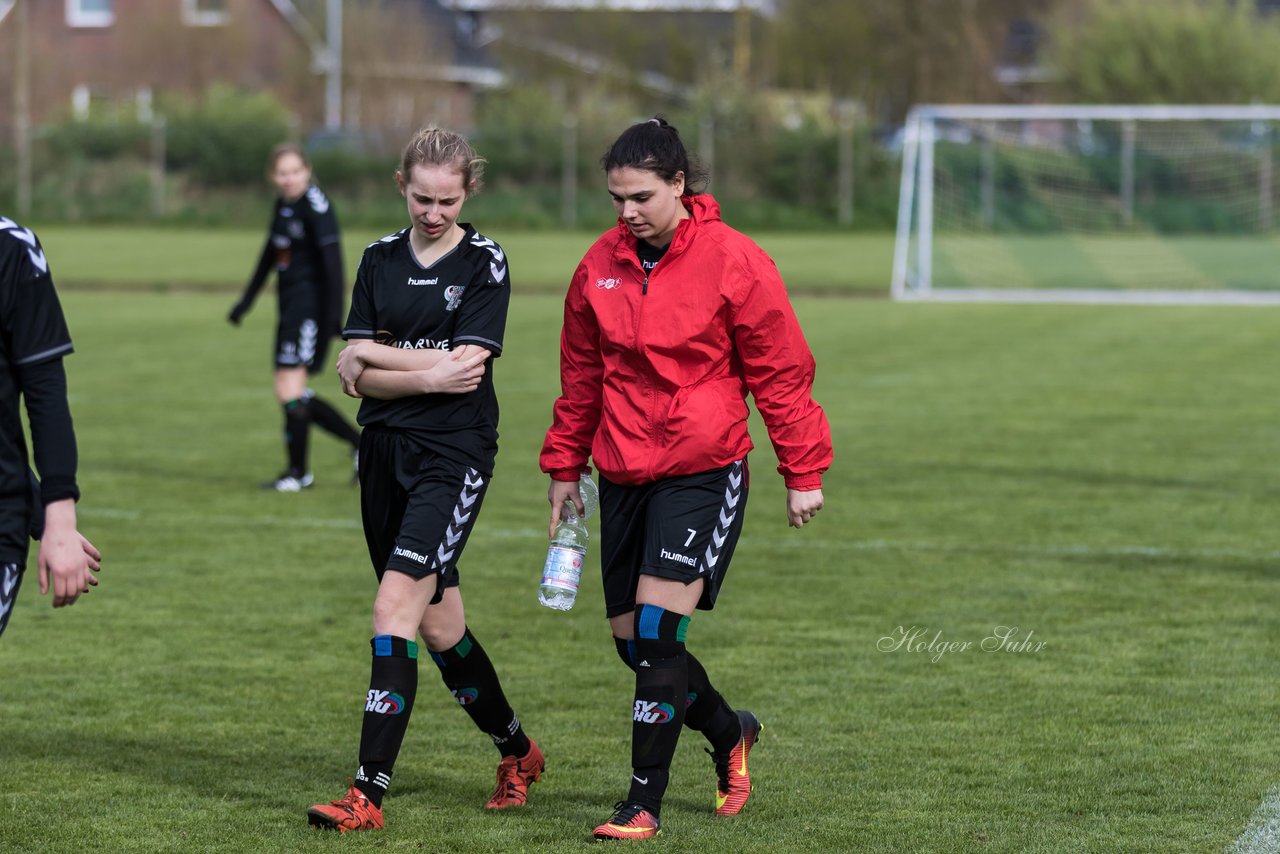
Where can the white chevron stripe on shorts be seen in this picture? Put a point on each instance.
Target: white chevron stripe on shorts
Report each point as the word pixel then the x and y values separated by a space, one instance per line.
pixel 473 482
pixel 728 512
pixel 10 575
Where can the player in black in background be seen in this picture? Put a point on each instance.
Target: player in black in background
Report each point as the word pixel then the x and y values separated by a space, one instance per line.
pixel 427 319
pixel 304 249
pixel 33 340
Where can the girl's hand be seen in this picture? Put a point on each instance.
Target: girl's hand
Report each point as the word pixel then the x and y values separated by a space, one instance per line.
pixel 802 506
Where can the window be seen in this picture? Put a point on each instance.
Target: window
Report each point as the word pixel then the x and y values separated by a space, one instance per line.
pixel 90 13
pixel 205 13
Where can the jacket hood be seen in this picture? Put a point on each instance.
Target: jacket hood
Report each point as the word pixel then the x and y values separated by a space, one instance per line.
pixel 702 207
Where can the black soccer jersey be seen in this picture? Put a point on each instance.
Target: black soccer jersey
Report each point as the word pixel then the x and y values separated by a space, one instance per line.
pixel 299 232
pixel 32 330
pixel 460 299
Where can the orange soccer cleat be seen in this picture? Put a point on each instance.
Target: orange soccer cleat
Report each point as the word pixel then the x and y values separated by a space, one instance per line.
pixel 734 784
pixel 515 776
pixel 353 812
pixel 630 821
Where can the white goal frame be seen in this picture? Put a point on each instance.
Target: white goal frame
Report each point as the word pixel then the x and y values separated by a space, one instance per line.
pixel 914 281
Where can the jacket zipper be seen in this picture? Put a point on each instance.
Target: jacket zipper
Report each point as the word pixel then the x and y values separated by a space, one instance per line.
pixel 654 432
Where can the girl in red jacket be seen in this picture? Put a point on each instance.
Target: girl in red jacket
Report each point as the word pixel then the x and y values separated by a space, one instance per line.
pixel 671 319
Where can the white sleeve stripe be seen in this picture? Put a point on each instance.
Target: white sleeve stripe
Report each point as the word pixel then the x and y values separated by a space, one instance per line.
pixel 45 354
pixel 496 346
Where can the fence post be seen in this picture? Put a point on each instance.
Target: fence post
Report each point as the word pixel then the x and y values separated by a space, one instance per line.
pixel 707 143
pixel 569 172
pixel 1263 133
pixel 1127 139
pixel 22 112
pixel 844 168
pixel 988 192
pixel 158 134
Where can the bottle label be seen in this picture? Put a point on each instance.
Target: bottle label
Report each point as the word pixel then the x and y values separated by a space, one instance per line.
pixel 563 568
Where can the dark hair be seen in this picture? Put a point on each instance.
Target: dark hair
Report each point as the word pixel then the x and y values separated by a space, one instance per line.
pixel 655 146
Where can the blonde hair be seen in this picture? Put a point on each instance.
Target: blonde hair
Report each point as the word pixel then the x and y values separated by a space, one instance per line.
pixel 433 146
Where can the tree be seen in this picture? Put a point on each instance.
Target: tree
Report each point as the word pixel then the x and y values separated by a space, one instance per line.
pixel 891 54
pixel 1165 51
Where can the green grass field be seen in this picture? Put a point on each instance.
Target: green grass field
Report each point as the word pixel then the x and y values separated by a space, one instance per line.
pixel 1101 478
pixel 1108 262
pixel 541 261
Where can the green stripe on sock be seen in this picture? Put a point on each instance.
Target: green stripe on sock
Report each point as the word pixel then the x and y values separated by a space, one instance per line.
pixel 464 646
pixel 682 629
pixel 411 649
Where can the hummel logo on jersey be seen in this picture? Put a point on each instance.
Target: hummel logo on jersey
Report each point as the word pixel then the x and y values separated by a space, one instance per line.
pixel 684 559
pixel 26 236
pixel 399 552
pixel 383 702
pixel 653 713
pixel 414 281
pixel 608 284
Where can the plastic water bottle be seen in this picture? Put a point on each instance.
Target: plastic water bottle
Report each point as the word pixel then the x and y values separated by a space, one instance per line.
pixel 568 550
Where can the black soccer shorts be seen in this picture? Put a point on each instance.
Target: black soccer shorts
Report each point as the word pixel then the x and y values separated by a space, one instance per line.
pixel 300 343
pixel 418 508
pixel 684 528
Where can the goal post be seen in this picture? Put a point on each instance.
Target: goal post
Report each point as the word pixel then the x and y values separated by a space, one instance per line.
pixel 1061 203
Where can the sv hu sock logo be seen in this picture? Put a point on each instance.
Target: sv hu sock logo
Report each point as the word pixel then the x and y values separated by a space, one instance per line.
pixel 653 713
pixel 465 696
pixel 383 702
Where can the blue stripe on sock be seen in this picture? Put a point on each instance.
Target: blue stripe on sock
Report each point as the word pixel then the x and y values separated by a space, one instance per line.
pixel 650 617
pixel 382 645
pixel 437 658
pixel 631 651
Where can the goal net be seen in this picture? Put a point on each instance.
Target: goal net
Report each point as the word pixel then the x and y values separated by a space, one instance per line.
pixel 1089 204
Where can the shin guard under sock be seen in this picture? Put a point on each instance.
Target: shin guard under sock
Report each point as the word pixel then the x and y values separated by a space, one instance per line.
pixel 297 429
pixel 662 683
pixel 705 711
pixel 393 684
pixel 324 416
pixel 469 675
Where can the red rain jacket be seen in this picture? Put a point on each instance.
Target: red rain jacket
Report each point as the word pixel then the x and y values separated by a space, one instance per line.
pixel 654 372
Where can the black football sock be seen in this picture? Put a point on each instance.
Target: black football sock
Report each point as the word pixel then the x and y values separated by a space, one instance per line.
pixel 297 424
pixel 708 713
pixel 662 684
pixel 393 683
pixel 469 675
pixel 324 416
pixel 705 710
